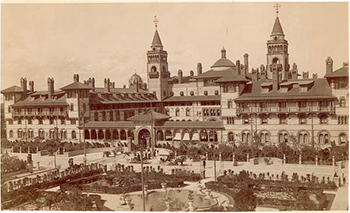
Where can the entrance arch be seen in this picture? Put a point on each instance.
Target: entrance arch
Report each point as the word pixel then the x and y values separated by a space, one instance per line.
pixel 142 135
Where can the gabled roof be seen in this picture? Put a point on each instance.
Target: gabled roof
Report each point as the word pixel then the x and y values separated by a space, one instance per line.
pixel 175 79
pixel 232 77
pixel 148 116
pixel 193 98
pixel 319 90
pixel 341 72
pixel 13 89
pixel 156 40
pixel 122 98
pixel 76 86
pixel 277 27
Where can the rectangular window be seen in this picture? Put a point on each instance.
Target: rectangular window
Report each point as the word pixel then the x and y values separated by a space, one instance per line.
pixel 71 107
pixel 230 120
pixel 283 120
pixel 51 121
pixel 40 121
pixel 10 121
pixel 30 121
pixel 9 108
pixel 302 104
pixel 63 121
pixel 19 121
pixel 73 121
pixel 264 120
pixel 245 120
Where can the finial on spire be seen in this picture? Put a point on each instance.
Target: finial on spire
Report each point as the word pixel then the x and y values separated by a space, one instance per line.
pixel 277 6
pixel 155 21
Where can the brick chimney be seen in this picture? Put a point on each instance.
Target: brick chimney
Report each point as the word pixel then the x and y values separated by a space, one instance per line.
pixel 180 76
pixel 246 64
pixel 276 68
pixel 76 78
pixel 305 75
pixel 31 86
pixel 329 65
pixel 255 74
pixel 191 73
pixel 295 71
pixel 107 85
pixel 238 67
pixel 51 87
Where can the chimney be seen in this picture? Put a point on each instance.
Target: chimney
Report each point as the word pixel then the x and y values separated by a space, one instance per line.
pixel 305 75
pixel 76 78
pixel 255 74
pixel 180 76
pixel 276 68
pixel 262 72
pixel 295 71
pixel 246 64
pixel 31 86
pixel 107 84
pixel 238 67
pixel 329 65
pixel 93 84
pixel 191 73
pixel 24 85
pixel 51 87
pixel 199 68
pixel 314 75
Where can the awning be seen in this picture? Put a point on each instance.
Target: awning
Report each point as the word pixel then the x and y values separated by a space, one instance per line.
pixel 177 136
pixel 186 137
pixel 195 136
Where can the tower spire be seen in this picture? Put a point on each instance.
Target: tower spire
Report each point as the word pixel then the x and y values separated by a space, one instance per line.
pixel 155 21
pixel 156 42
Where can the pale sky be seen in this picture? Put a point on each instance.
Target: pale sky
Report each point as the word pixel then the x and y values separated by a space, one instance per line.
pixel 111 40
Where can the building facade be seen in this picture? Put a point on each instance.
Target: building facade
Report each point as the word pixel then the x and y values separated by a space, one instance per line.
pixel 228 103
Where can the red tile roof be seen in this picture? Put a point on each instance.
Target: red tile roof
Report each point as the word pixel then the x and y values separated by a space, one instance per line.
pixel 148 116
pixel 319 90
pixel 76 86
pixel 341 72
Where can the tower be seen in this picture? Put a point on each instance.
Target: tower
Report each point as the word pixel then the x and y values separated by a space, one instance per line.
pixel 157 67
pixel 277 49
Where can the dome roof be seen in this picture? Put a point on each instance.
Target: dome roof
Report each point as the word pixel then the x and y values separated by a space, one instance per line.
pixel 134 79
pixel 223 61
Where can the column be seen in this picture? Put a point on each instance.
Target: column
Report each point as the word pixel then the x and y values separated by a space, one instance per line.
pixel 104 134
pixel 316 160
pixel 300 159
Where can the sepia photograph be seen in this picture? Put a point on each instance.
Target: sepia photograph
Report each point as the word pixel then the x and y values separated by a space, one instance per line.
pixel 174 106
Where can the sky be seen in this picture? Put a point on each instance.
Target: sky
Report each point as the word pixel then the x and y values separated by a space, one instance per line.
pixel 110 40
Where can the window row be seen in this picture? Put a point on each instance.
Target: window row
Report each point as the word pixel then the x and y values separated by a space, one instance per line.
pixel 30 121
pixel 51 134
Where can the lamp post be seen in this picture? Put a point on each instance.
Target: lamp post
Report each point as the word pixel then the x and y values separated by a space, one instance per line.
pixel 142 175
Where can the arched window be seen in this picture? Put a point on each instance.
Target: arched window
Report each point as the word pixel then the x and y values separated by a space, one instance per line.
pixel 182 93
pixel 63 134
pixel 74 135
pixel 10 134
pixel 213 136
pixel 264 136
pixel 192 93
pixel 19 133
pixel 303 137
pixel 177 112
pixel 230 136
pixel 30 133
pixel 323 138
pixel 203 135
pixel 154 69
pixel 246 136
pixel 41 133
pixel 103 116
pixel 283 136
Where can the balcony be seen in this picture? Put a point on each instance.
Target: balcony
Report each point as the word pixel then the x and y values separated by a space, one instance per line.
pixel 285 109
pixel 40 113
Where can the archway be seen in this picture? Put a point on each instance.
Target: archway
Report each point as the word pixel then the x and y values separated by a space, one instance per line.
pixel 86 133
pixel 142 137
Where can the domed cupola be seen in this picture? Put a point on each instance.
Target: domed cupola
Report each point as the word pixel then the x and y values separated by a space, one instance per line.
pixel 223 62
pixel 135 81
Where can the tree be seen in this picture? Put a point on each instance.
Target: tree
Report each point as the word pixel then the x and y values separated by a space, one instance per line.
pixel 12 163
pixel 245 200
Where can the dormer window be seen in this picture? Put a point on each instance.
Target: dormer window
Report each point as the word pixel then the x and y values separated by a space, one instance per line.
pixel 303 89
